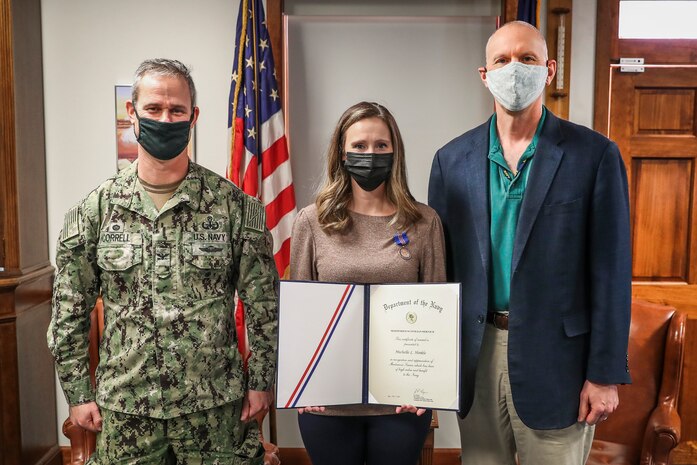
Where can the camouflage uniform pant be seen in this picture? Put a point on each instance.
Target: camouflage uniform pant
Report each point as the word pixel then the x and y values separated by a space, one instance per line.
pixel 210 437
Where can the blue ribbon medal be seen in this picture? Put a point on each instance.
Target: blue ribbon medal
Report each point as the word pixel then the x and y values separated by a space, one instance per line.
pixel 402 240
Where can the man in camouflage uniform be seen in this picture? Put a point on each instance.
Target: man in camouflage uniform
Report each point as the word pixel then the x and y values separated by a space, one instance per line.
pixel 166 243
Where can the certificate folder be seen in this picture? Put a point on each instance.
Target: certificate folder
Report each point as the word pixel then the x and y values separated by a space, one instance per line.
pixel 383 344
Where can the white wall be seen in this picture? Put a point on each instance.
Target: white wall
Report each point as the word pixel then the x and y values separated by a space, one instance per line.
pixel 420 69
pixel 581 97
pixel 394 7
pixel 88 47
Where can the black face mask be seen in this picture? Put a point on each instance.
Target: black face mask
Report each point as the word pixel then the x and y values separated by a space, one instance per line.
pixel 369 169
pixel 163 141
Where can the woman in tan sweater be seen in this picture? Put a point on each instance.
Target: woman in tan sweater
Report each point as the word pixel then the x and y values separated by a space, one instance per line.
pixel 366 227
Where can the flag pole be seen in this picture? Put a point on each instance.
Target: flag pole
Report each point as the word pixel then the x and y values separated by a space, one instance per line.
pixel 269 160
pixel 274 15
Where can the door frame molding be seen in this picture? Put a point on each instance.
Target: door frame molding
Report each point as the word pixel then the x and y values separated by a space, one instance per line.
pixel 609 48
pixel 606 47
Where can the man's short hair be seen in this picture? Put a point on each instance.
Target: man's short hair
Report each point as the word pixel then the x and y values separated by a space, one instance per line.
pixel 163 67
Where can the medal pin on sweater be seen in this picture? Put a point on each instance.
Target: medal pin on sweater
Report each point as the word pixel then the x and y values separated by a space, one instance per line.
pixel 402 240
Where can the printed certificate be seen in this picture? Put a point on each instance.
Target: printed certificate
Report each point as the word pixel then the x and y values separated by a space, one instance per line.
pixel 389 344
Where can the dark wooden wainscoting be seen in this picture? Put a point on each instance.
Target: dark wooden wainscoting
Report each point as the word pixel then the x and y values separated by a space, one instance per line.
pixel 298 456
pixel 27 382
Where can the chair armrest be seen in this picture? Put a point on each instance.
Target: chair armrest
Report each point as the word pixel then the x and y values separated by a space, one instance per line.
pixel 271 454
pixel 662 434
pixel 82 442
pixel 271 451
pixel 663 429
pixel 673 359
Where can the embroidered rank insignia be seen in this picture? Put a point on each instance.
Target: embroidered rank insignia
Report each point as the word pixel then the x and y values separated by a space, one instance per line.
pixel 71 223
pixel 254 215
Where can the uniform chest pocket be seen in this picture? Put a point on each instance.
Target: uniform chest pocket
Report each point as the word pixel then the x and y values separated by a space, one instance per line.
pixel 207 269
pixel 120 270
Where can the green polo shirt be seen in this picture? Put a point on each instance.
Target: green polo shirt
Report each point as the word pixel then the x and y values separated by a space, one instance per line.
pixel 506 191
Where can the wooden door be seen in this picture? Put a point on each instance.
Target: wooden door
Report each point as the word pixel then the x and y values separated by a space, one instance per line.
pixel 28 433
pixel 653 119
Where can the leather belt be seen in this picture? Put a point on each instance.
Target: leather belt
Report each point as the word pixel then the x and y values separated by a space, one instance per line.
pixel 498 319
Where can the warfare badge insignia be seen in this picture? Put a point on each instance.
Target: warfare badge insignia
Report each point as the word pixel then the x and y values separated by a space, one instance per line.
pixel 210 224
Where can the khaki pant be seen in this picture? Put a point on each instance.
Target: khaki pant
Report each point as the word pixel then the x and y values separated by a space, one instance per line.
pixel 211 437
pixel 492 433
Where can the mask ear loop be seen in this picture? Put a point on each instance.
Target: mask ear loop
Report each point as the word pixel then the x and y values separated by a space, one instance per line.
pixel 134 126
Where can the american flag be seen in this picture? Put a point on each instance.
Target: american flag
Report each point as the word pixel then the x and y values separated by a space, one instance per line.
pixel 529 11
pixel 259 161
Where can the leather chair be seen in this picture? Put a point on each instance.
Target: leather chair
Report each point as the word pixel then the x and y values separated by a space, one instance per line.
pixel 645 428
pixel 83 442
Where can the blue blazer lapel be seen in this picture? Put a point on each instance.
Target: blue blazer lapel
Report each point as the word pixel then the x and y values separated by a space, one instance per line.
pixel 477 180
pixel 547 157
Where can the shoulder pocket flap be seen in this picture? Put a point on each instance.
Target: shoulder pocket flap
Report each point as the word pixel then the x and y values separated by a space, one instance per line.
pixel 564 207
pixel 119 257
pixel 575 325
pixel 74 241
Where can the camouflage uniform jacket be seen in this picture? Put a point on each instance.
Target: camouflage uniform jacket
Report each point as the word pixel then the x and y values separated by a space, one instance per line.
pixel 168 280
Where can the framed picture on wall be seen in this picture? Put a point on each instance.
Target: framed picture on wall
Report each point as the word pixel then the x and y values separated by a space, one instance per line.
pixel 126 144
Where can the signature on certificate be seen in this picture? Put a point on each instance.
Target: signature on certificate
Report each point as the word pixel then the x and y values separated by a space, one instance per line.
pixel 420 395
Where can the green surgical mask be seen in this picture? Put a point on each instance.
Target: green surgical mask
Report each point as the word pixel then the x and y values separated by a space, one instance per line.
pixel 163 141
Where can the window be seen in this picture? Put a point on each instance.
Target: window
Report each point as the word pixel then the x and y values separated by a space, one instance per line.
pixel 658 19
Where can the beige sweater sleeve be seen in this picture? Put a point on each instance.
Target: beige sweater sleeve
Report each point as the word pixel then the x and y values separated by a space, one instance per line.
pixel 302 250
pixel 432 267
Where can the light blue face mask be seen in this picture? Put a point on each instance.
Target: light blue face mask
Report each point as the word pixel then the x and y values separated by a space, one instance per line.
pixel 516 85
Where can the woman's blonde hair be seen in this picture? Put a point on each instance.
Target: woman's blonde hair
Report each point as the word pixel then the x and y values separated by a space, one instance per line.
pixel 334 196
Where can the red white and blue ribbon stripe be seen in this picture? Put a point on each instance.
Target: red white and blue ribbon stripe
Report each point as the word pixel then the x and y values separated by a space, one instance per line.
pixel 321 347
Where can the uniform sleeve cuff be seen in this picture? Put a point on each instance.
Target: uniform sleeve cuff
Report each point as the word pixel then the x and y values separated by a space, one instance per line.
pixel 78 392
pixel 259 386
pixel 256 380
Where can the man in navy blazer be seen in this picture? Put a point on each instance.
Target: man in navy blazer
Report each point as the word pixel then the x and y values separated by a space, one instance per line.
pixel 536 217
